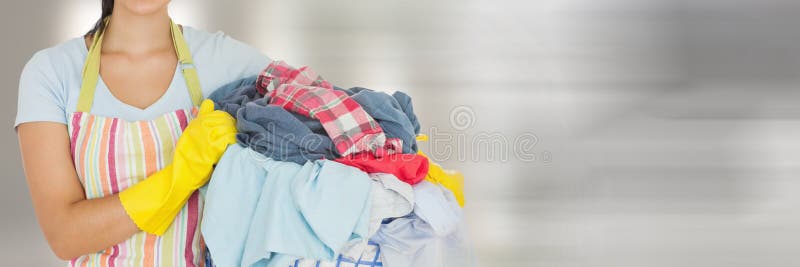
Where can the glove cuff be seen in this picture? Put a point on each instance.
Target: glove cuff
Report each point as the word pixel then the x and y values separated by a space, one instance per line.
pixel 152 204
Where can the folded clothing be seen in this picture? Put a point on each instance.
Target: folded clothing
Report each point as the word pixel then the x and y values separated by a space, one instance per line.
pixel 409 168
pixel 262 212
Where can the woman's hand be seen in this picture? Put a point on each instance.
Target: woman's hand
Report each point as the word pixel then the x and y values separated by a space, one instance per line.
pixel 154 202
pixel 202 144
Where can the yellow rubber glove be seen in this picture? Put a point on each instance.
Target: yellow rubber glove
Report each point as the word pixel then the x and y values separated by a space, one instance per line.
pixel 450 179
pixel 153 203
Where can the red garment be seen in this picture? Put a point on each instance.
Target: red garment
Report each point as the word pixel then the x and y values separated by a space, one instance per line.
pixel 409 168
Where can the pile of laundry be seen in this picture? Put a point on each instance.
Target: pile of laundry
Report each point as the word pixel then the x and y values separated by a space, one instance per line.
pixel 326 176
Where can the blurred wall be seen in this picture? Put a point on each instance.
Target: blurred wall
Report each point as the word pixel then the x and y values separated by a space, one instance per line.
pixel 592 133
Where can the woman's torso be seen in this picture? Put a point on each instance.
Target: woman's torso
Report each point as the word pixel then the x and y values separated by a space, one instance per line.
pixel 117 145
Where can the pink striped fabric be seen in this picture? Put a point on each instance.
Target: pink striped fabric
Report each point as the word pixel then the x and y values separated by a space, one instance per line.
pixel 110 155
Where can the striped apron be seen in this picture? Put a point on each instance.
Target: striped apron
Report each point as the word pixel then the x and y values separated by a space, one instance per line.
pixel 111 154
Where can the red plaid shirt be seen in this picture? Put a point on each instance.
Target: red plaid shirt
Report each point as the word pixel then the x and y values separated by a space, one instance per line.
pixel 301 90
pixel 278 73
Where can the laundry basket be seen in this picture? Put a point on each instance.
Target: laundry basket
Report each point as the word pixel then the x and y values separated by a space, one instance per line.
pixel 370 258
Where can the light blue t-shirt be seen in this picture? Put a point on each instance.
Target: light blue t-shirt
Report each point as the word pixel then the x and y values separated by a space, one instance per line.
pixel 263 212
pixel 50 82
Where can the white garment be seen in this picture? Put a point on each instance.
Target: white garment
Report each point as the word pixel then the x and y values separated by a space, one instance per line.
pixel 437 206
pixel 434 235
pixel 391 198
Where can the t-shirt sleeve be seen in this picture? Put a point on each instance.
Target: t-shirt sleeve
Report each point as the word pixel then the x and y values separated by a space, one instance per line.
pixel 242 60
pixel 41 96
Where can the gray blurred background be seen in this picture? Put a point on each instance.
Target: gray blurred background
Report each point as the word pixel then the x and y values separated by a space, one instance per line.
pixel 663 132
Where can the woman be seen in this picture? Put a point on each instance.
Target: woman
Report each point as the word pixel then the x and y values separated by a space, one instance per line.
pixel 111 153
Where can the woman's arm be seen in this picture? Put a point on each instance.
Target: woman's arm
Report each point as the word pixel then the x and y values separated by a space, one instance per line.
pixel 72 225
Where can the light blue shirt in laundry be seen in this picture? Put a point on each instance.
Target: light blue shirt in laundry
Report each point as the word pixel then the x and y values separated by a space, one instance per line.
pixel 50 82
pixel 262 212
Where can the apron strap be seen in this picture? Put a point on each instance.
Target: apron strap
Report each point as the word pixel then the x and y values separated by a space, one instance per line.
pixel 91 68
pixel 187 65
pixel 91 71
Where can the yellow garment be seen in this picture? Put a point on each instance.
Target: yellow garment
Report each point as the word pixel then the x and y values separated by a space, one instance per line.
pixel 153 203
pixel 450 179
